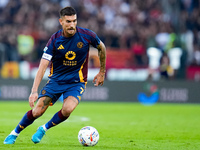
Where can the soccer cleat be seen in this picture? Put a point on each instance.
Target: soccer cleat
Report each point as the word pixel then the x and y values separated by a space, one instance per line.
pixel 10 139
pixel 36 138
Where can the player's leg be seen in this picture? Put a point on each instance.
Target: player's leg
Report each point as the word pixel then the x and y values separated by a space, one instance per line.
pixel 72 98
pixel 28 119
pixel 41 106
pixel 72 95
pixel 69 105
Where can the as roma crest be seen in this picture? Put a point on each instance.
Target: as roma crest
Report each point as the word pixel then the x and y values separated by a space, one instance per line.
pixel 79 44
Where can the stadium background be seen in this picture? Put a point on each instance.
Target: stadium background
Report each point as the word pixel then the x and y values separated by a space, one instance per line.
pixel 132 30
pixel 137 35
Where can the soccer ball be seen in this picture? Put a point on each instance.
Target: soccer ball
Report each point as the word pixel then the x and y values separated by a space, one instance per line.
pixel 88 136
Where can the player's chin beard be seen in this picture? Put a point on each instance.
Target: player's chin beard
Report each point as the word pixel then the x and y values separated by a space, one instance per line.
pixel 71 32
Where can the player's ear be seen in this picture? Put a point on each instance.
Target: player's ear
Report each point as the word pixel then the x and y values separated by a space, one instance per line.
pixel 60 20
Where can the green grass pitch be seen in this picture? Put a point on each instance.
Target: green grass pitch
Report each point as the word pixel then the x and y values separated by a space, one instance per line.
pixel 122 126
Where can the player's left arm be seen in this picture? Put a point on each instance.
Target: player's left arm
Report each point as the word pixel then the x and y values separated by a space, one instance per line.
pixel 99 78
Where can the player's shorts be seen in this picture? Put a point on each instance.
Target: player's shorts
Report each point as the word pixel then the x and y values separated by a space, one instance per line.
pixel 54 90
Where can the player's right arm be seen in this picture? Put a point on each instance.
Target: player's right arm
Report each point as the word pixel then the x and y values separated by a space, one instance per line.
pixel 38 78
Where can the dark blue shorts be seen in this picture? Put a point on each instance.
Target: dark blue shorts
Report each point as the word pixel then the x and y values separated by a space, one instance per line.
pixel 54 90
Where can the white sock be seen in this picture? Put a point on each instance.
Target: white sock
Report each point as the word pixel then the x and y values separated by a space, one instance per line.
pixel 45 129
pixel 14 133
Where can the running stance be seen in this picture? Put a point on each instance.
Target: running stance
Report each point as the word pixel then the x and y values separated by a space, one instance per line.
pixel 67 54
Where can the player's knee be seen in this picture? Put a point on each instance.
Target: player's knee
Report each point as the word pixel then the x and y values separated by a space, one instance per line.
pixel 37 114
pixel 67 111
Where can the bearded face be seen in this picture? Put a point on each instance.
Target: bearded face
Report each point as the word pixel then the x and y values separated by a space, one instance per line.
pixel 68 24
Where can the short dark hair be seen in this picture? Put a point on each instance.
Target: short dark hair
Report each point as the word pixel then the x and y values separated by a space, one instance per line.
pixel 67 11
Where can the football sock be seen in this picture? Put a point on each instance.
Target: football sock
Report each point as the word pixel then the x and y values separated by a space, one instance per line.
pixel 44 127
pixel 56 119
pixel 14 133
pixel 26 121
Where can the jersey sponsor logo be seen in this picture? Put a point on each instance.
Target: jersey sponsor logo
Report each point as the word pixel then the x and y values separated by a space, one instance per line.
pixel 46 56
pixel 80 44
pixel 70 55
pixel 69 63
pixel 61 47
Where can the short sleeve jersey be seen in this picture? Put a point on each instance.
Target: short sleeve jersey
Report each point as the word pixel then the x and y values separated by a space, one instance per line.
pixel 69 56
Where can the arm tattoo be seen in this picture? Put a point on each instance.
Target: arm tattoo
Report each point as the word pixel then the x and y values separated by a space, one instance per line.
pixel 102 57
pixel 46 101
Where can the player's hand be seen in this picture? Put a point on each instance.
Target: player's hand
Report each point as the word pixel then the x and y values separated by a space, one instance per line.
pixel 99 79
pixel 32 98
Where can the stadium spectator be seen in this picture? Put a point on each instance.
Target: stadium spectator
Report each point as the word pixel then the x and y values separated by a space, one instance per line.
pixel 166 71
pixel 139 52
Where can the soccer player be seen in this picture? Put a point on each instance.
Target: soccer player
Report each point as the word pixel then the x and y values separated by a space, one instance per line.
pixel 67 52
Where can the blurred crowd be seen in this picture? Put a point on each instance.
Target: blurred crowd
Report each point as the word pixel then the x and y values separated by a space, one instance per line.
pixel 133 25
